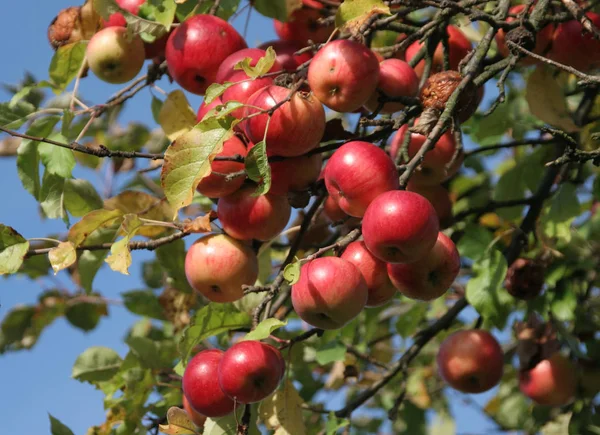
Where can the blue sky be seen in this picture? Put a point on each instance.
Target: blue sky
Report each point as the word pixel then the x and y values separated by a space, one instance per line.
pixel 37 382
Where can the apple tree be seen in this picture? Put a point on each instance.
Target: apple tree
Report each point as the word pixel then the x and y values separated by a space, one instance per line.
pixel 388 209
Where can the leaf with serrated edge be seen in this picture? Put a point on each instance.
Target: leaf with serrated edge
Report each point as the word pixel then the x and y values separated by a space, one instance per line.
pixel 178 423
pixel 258 168
pixel 66 63
pixel 62 256
pixel 282 411
pixel 137 25
pixel 13 248
pixel 119 258
pixel 90 223
pixel 353 13
pixel 264 329
pixel 216 90
pixel 223 110
pixel 176 116
pixel 262 66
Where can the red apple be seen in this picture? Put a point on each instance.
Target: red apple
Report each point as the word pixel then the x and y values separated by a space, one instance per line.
pixel 216 185
pixel 227 67
pixel 343 75
pixel 117 19
pixel 330 293
pixel 396 79
pixel 197 418
pixel 373 271
pixel 295 128
pixel 471 361
pixel 316 4
pixel 294 174
pixel 115 57
pixel 303 25
pixel 400 227
pixel 431 276
pixel 197 47
pixel 250 371
pixel 217 266
pixel 459 45
pixel 201 385
pixel 571 46
pixel 205 108
pixel 551 382
pixel 439 197
pixel 433 169
pixel 357 173
pixel 333 211
pixel 245 216
pixel 285 54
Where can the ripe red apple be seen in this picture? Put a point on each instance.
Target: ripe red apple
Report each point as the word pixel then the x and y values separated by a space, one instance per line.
pixel 197 418
pixel 285 54
pixel 216 186
pixel 217 266
pixel 433 169
pixel 316 4
pixel 542 39
pixel 294 129
pixel 343 75
pixel 431 276
pixel 471 361
pixel 571 46
pixel 117 19
pixel 357 173
pixel 396 79
pixel 439 197
pixel 330 293
pixel 113 56
pixel 250 371
pixel 197 47
pixel 201 385
pixel 400 227
pixel 296 173
pixel 303 25
pixel 459 45
pixel 245 217
pixel 373 271
pixel 551 382
pixel 205 108
pixel 333 211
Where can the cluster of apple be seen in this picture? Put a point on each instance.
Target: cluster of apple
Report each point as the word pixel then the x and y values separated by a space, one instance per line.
pixel 215 382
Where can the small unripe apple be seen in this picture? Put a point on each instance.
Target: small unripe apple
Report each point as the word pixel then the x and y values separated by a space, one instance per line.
pixel 396 79
pixel 216 185
pixel 197 418
pixel 201 385
pixel 471 361
pixel 552 382
pixel 217 266
pixel 113 56
pixel 250 371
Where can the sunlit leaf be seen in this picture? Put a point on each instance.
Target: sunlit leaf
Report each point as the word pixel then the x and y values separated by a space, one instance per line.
pixel 264 329
pixel 119 258
pixel 62 256
pixel 13 248
pixel 176 116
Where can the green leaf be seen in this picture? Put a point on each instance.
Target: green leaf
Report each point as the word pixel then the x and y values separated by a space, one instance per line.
pixel 91 222
pixel 58 428
pixel 225 10
pixel 13 248
pixel 264 329
pixel 62 256
pixel 171 258
pixel 258 168
pixel 485 290
pixel 66 63
pixel 119 258
pixel 280 9
pixel 15 116
pixel 163 11
pixel 216 90
pixel 475 241
pixel 15 324
pixel 330 352
pixel 57 160
pixel 409 320
pixel 81 197
pixel 211 320
pixel 262 66
pixel 52 196
pixel 151 29
pixel 67 119
pixel 91 261
pixel 156 107
pixel 356 11
pixel 148 352
pixel 96 364
pixel 188 159
pixel 84 315
pixel 564 208
pixel 334 424
pixel 143 303
pixel 178 423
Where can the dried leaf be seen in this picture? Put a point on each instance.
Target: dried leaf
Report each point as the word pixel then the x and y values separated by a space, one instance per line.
pixel 201 224
pixel 178 423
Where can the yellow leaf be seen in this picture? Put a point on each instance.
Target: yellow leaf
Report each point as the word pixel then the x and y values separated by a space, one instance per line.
pixel 547 101
pixel 353 13
pixel 282 411
pixel 178 423
pixel 145 206
pixel 176 116
pixel 90 223
pixel 119 258
pixel 62 256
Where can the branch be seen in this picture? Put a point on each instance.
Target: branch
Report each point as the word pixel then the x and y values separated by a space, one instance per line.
pixel 513 144
pixel 580 16
pixel 244 426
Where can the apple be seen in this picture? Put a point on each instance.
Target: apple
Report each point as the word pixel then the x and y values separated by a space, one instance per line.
pixel 215 185
pixel 197 418
pixel 459 45
pixel 400 227
pixel 552 382
pixel 117 19
pixel 316 4
pixel 343 75
pixel 431 276
pixel 471 361
pixel 330 293
pixel 115 57
pixel 217 266
pixel 295 127
pixel 295 173
pixel 333 211
pixel 374 272
pixel 396 79
pixel 571 46
pixel 439 197
pixel 245 216
pixel 286 56
pixel 543 38
pixel 250 371
pixel 205 108
pixel 303 26
pixel 201 385
pixel 197 47
pixel 433 169
pixel 357 173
